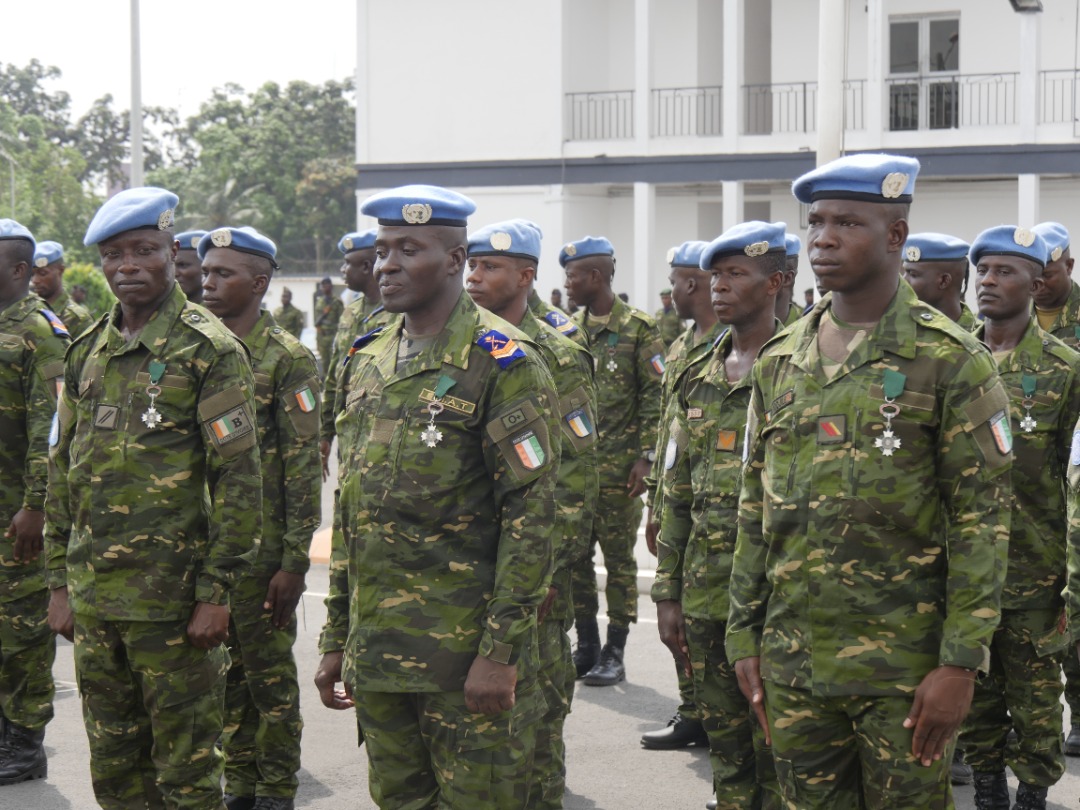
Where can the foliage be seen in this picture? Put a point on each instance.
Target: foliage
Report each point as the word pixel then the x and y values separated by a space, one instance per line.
pixel 99 297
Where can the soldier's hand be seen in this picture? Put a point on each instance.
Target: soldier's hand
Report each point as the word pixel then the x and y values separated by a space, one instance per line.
pixel 635 484
pixel 489 686
pixel 327 676
pixel 282 597
pixel 669 619
pixel 545 606
pixel 940 706
pixel 26 529
pixel 652 530
pixel 748 672
pixel 324 451
pixel 60 616
pixel 208 626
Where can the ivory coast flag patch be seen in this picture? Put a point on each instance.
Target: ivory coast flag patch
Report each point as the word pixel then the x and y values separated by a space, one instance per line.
pixel 1002 431
pixel 529 452
pixel 658 363
pixel 305 399
pixel 579 423
pixel 231 426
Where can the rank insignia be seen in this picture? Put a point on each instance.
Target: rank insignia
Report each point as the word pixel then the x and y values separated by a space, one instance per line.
pixel 726 440
pixel 503 349
pixel 529 452
pixel 305 399
pixel 832 429
pixel 558 321
pixel 55 322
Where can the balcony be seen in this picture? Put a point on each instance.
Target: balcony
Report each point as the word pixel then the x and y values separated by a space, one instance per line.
pixel 682 111
pixel 951 102
pixel 1058 102
pixel 601 116
pixel 785 108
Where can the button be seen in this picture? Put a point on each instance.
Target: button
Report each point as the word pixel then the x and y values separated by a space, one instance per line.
pixel 926 316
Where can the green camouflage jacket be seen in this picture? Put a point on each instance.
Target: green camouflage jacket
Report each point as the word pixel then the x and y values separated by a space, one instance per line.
pixel 862 563
pixel 328 310
pixel 1066 326
pixel 967 321
pixel 669 324
pixel 359 317
pixel 142 522
pixel 76 317
pixel 290 319
pixel 557 319
pixel 793 314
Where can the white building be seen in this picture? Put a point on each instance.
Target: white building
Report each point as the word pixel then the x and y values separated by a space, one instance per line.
pixel 656 121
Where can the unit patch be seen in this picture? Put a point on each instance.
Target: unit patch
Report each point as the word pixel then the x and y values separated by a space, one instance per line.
pixel 832 429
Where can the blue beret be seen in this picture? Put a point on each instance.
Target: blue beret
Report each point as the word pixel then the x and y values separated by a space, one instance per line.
pixel 583 248
pixel 792 244
pixel 1008 240
pixel 1056 237
pixel 934 247
pixel 189 240
pixel 688 254
pixel 133 208
pixel 754 238
pixel 419 205
pixel 47 252
pixel 359 240
pixel 245 239
pixel 869 178
pixel 518 238
pixel 10 229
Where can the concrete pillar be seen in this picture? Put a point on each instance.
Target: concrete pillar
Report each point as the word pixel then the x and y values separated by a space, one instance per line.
pixel 874 89
pixel 734 15
pixel 734 195
pixel 830 97
pixel 363 135
pixel 644 238
pixel 1027 86
pixel 1027 201
pixel 642 74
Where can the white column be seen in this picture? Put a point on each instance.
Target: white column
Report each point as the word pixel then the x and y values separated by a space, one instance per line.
pixel 642 75
pixel 1027 198
pixel 136 101
pixel 874 89
pixel 1027 87
pixel 734 17
pixel 830 96
pixel 363 143
pixel 734 194
pixel 644 229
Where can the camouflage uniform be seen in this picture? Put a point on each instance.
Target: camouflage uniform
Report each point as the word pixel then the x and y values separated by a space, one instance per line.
pixel 557 320
pixel 967 320
pixel 328 311
pixel 856 573
pixel 629 359
pixel 1066 326
pixel 76 317
pixel 793 314
pixel 141 524
pixel 412 614
pixel 290 318
pixel 261 740
pixel 701 479
pixel 670 325
pixel 1023 690
pixel 32 348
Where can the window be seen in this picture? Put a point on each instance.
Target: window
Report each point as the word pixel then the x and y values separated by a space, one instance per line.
pixel 924 62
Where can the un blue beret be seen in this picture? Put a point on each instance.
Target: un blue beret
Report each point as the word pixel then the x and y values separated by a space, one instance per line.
pixel 583 248
pixel 1009 240
pixel 10 229
pixel 245 240
pixel 358 240
pixel 688 254
pixel 189 240
pixel 934 247
pixel 754 238
pixel 47 252
pixel 869 178
pixel 792 244
pixel 419 205
pixel 145 207
pixel 518 238
pixel 1056 237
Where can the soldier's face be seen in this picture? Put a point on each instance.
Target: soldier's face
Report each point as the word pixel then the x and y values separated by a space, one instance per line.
pixel 582 281
pixel 683 281
pixel 138 266
pixel 740 289
pixel 14 268
pixel 556 298
pixel 494 282
pixel 231 280
pixel 189 273
pixel 415 266
pixel 849 242
pixel 1057 283
pixel 925 279
pixel 286 299
pixel 45 281
pixel 1004 286
pixel 356 269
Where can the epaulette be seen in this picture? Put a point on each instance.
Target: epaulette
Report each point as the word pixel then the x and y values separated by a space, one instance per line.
pixel 361 342
pixel 641 315
pixel 1059 349
pixel 505 350
pixel 291 344
pixel 720 337
pixel 54 321
pixel 372 314
pixel 560 322
pixel 220 338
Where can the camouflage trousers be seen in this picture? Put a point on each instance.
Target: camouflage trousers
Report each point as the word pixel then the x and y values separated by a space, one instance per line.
pixel 153 709
pixel 325 344
pixel 556 678
pixel 615 528
pixel 27 650
pixel 427 751
pixel 850 751
pixel 1022 691
pixel 1071 668
pixel 261 740
pixel 744 776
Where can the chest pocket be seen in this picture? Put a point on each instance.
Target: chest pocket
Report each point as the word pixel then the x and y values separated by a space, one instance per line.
pixel 175 403
pixel 11 347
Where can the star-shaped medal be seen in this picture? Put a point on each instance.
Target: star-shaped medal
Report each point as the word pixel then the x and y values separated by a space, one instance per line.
pixel 151 418
pixel 431 436
pixel 887 443
pixel 1027 424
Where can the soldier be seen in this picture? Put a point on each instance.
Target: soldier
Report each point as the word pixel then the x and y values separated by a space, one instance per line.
pixel 153 514
pixel 32 344
pixel 808 299
pixel 786 311
pixel 446 504
pixel 874 515
pixel 936 267
pixel 261 741
pixel 629 359
pixel 287 316
pixel 556 298
pixel 328 309
pixel 667 318
pixel 702 466
pixel 189 265
pixel 1057 303
pixel 502 269
pixel 690 294
pixel 47 283
pixel 1023 689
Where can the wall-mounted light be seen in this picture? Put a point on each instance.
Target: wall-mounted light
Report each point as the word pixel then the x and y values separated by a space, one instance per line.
pixel 1021 6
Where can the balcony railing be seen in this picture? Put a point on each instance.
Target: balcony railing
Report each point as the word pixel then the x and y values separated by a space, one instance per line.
pixel 792 107
pixel 950 102
pixel 1058 99
pixel 679 111
pixel 602 116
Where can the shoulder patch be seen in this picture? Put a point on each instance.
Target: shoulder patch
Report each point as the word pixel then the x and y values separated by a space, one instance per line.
pixel 505 350
pixel 560 322
pixel 361 342
pixel 54 321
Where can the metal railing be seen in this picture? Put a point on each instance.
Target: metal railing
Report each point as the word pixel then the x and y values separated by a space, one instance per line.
pixel 950 102
pixel 1058 101
pixel 600 116
pixel 678 111
pixel 792 107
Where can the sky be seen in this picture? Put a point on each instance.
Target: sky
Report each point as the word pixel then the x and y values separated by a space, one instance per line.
pixel 188 48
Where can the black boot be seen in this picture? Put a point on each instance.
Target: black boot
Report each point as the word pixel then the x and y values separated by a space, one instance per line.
pixel 587 651
pixel 233 802
pixel 274 803
pixel 609 670
pixel 959 771
pixel 22 755
pixel 1072 742
pixel 1029 797
pixel 680 732
pixel 991 791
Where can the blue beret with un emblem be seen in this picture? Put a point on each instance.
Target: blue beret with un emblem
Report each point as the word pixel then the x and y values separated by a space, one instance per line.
pixel 867 178
pixel 360 240
pixel 245 239
pixel 189 240
pixel 132 209
pixel 688 254
pixel 1009 240
pixel 419 205
pixel 1056 237
pixel 934 247
pixel 47 252
pixel 584 248
pixel 518 238
pixel 792 244
pixel 10 229
pixel 753 239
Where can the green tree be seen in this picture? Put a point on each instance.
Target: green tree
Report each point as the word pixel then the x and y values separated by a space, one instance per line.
pixel 99 297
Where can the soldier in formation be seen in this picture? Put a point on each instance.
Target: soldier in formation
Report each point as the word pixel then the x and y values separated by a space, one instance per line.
pixel 328 309
pixel 47 282
pixel 288 316
pixel 188 265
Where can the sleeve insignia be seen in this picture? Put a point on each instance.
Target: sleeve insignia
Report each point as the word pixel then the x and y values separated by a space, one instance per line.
pixel 560 322
pixel 503 349
pixel 55 322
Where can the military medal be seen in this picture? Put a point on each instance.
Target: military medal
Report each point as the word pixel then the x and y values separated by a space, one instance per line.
pixel 612 339
pixel 431 435
pixel 1028 382
pixel 152 418
pixel 888 442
